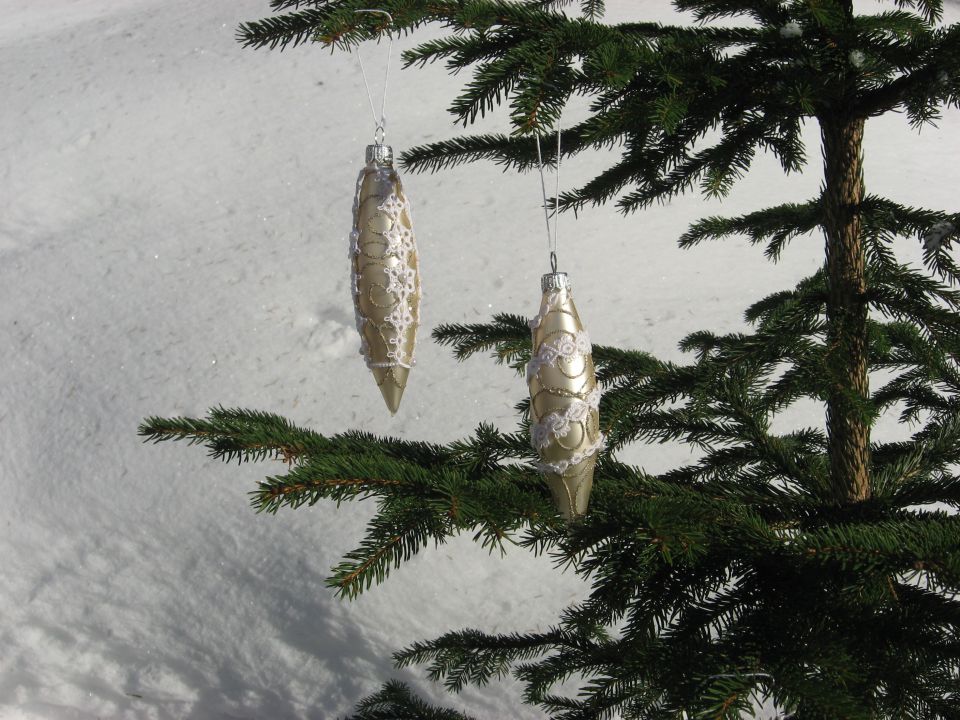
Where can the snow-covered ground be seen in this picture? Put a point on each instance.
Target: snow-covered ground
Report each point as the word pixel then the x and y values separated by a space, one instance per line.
pixel 173 220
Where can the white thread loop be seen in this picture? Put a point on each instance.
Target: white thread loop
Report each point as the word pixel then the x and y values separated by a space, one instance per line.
pixel 380 123
pixel 552 237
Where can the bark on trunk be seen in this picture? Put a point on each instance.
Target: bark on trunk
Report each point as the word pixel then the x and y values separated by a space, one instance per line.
pixel 848 427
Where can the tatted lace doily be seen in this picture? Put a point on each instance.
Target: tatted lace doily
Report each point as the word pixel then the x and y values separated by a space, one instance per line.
pixel 401 279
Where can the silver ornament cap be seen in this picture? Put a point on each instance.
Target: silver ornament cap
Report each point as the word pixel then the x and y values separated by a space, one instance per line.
pixel 551 282
pixel 379 155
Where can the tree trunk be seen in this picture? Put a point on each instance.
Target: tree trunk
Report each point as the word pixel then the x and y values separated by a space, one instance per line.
pixel 848 422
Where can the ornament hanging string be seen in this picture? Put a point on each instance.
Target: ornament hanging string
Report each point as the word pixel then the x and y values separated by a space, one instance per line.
pixel 380 123
pixel 553 237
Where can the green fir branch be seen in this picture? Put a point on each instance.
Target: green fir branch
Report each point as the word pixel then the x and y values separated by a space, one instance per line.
pixel 395 701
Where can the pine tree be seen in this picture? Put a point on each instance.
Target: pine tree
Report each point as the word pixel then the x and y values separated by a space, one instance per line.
pixel 814 567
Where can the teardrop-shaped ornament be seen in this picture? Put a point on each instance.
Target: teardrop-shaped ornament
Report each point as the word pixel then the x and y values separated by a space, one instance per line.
pixel 385 273
pixel 564 398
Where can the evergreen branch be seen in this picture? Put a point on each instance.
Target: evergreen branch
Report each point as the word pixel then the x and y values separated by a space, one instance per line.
pixel 722 37
pixel 284 31
pixel 616 366
pixel 603 187
pixel 339 476
pixel 518 153
pixel 484 451
pixel 937 488
pixel 765 12
pixel 390 541
pixel 777 225
pixel 593 9
pixel 471 657
pixel 395 701
pixel 279 5
pixel 907 295
pixel 294 492
pixel 932 10
pixel 235 434
pixel 926 544
pixel 899 24
pixel 491 84
pixel 493 505
pixel 509 335
pixel 509 152
pixel 461 51
pixel 715 168
pixel 884 220
pixel 921 84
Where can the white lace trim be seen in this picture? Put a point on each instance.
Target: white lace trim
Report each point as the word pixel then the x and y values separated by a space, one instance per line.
pixel 561 466
pixel 565 347
pixel 401 280
pixel 399 240
pixel 557 423
pixel 394 207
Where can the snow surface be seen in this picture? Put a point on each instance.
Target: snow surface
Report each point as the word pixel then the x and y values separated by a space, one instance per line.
pixel 173 221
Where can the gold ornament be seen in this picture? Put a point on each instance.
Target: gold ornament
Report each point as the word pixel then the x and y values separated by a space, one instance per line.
pixel 386 274
pixel 564 398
